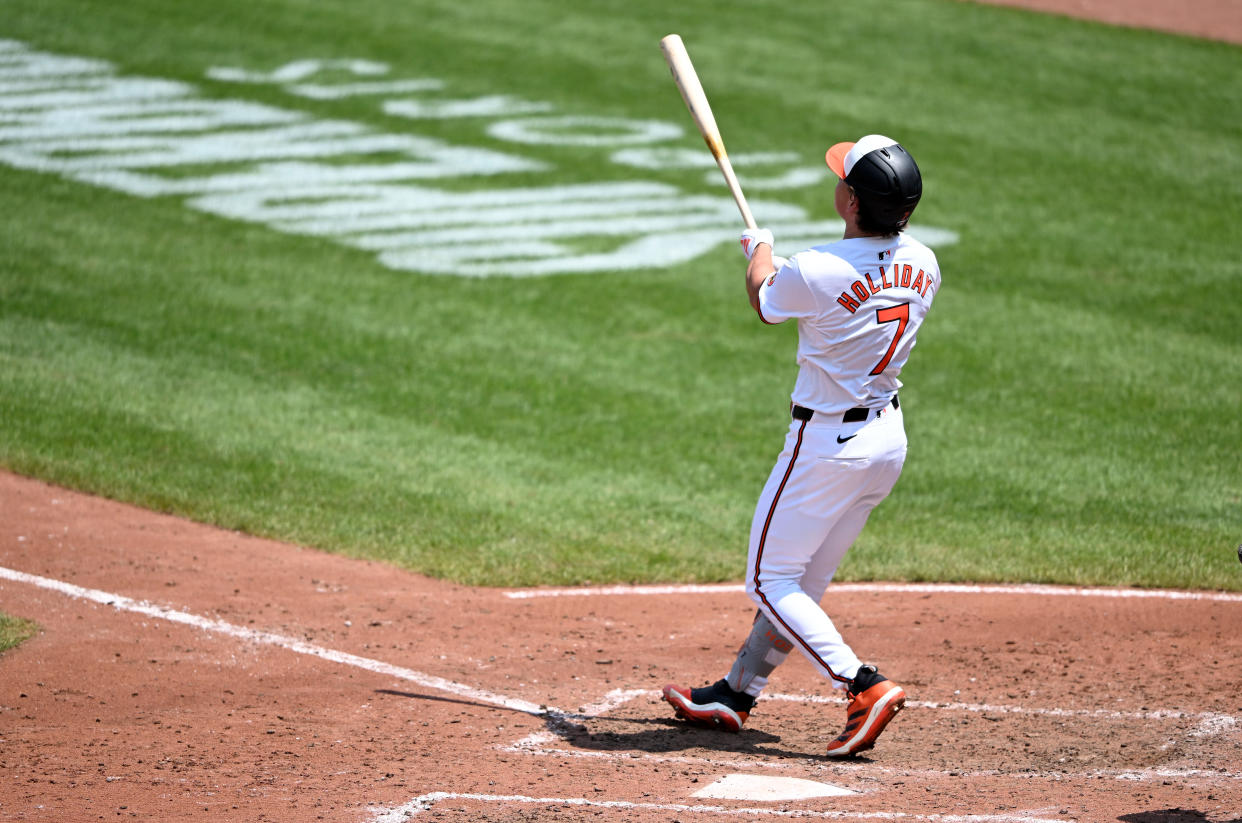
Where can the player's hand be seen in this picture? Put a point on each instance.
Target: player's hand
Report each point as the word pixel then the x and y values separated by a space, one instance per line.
pixel 752 238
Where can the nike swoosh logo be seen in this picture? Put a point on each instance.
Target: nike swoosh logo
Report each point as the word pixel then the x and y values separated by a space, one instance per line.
pixel 841 439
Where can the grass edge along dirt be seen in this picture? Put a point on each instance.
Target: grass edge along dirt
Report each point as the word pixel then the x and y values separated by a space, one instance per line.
pixel 14 631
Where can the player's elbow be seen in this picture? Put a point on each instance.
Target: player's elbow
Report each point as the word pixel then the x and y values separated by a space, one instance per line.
pixel 755 304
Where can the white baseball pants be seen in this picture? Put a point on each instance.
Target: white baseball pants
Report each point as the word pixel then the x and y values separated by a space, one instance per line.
pixel 813 507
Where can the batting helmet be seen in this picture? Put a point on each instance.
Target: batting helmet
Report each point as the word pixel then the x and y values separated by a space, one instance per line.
pixel 883 175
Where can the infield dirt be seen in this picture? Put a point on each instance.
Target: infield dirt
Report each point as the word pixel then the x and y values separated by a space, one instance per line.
pixel 1214 19
pixel 1024 706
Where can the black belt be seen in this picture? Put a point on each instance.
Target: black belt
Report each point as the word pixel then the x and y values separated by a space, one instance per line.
pixel 856 415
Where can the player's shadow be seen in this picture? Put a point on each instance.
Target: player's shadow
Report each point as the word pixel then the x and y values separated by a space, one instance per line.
pixel 665 736
pixel 1171 816
pixel 646 734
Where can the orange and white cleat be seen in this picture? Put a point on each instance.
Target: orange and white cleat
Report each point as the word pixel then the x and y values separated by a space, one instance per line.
pixel 714 707
pixel 874 700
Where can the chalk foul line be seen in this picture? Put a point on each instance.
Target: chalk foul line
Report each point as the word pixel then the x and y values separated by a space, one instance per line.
pixel 425 802
pixel 292 644
pixel 897 588
pixel 540 745
pixel 1211 723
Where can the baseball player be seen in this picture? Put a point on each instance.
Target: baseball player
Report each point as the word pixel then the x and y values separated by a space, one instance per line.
pixel 859 303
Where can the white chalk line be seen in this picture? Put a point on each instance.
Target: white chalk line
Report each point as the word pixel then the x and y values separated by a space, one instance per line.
pixel 539 744
pixel 292 644
pixel 614 699
pixel 425 802
pixel 536 746
pixel 1210 722
pixel 610 701
pixel 896 588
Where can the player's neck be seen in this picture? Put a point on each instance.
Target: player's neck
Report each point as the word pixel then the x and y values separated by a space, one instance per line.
pixel 852 232
pixel 852 229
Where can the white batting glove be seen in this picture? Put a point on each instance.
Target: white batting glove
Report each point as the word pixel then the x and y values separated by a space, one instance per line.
pixel 752 238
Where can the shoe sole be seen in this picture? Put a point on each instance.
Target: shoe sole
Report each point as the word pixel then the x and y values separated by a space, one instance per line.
pixel 707 715
pixel 878 716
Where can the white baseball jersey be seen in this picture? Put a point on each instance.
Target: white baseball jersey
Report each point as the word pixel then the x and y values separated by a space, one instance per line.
pixel 859 304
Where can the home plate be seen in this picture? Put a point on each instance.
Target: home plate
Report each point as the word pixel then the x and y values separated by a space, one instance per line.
pixel 764 787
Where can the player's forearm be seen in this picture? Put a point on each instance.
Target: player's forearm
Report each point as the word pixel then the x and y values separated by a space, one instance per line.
pixel 759 268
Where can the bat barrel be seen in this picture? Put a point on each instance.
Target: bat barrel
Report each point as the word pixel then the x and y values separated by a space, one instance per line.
pixel 695 98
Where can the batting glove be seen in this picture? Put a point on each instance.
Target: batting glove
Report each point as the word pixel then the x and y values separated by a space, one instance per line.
pixel 752 238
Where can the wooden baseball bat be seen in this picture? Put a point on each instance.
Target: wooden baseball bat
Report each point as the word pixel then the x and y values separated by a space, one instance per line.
pixel 687 80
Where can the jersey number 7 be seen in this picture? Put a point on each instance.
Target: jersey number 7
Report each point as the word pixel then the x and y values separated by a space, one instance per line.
pixel 900 313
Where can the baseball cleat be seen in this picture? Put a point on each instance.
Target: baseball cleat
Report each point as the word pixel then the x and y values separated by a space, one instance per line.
pixel 713 707
pixel 870 709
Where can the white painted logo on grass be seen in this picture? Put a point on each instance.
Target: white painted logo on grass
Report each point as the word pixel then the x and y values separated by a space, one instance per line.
pixel 372 190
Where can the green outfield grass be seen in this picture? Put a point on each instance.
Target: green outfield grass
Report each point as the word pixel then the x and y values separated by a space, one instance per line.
pixel 1074 405
pixel 14 631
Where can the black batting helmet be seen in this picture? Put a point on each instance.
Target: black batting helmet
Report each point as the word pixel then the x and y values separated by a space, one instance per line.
pixel 883 175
